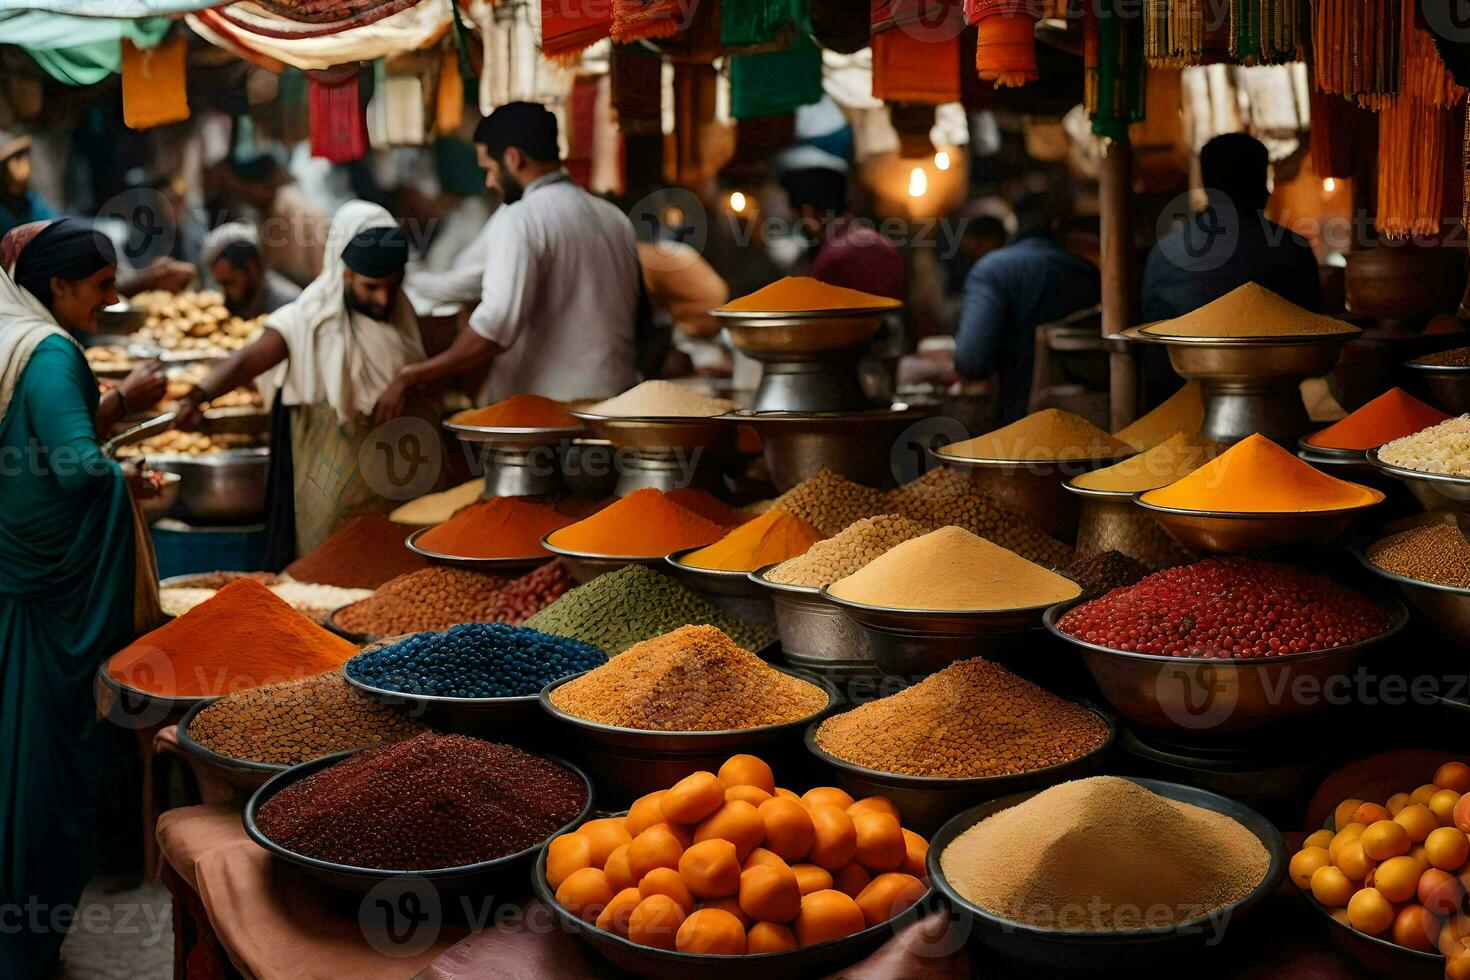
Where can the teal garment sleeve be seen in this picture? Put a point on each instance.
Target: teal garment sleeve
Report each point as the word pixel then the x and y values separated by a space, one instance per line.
pixel 60 396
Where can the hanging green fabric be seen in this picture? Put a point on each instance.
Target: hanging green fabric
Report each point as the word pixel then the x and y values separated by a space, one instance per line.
pixel 770 84
pixel 1114 67
pixel 79 50
pixel 747 26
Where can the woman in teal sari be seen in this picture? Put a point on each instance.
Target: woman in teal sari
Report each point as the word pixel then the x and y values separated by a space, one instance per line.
pixel 68 562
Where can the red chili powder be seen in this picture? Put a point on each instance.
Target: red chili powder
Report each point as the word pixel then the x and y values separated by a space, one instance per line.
pixel 1390 416
pixel 502 527
pixel 643 524
pixel 520 412
pixel 361 554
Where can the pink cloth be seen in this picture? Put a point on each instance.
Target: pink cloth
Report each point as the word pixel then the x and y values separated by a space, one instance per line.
pixel 857 256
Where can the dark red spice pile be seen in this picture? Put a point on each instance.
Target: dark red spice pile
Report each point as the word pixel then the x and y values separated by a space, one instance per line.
pixel 1228 608
pixel 364 553
pixel 433 801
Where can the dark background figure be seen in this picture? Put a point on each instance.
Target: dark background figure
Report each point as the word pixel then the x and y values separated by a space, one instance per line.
pixel 1031 281
pixel 19 203
pixel 979 236
pixel 233 259
pixel 843 251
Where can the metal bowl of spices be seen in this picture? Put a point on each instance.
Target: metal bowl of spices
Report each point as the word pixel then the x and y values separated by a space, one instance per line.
pixel 1434 491
pixel 1129 951
pixel 1446 606
pixel 632 762
pixel 1034 489
pixel 508 871
pixel 586 566
pixel 517 437
pixel 822 959
pixel 240 773
pixel 330 622
pixel 655 433
pixel 1108 521
pixel 926 802
pixel 131 707
pixel 521 563
pixel 730 592
pixel 1216 532
pixel 1448 384
pixel 815 634
pixel 1206 698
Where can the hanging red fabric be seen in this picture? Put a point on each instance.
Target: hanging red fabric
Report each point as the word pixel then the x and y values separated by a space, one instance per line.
pixel 570 26
pixel 582 133
pixel 1005 50
pixel 638 20
pixel 908 67
pixel 338 122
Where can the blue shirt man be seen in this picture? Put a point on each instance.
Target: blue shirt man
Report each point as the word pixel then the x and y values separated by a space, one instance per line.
pixel 19 204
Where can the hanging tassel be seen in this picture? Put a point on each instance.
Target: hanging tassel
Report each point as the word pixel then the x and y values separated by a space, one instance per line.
pixel 449 100
pixel 639 20
pixel 568 27
pixel 338 123
pixel 1005 50
pixel 907 68
pixel 153 86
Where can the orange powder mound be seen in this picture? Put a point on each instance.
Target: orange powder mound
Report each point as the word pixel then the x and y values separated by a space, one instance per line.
pixel 245 636
pixel 644 524
pixel 772 537
pixel 519 412
pixel 1258 476
pixel 800 293
pixel 501 527
pixel 1390 416
pixel 1250 311
pixel 708 506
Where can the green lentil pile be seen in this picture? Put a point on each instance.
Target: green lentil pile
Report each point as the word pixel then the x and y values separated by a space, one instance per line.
pixel 633 604
pixel 943 497
pixel 1435 553
pixel 295 721
pixel 841 555
pixel 829 502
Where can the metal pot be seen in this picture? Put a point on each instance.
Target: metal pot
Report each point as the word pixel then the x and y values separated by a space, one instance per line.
pixel 227 487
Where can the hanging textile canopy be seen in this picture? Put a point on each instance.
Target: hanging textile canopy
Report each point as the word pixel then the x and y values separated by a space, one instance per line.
pixel 253 32
pixel 78 50
pixel 107 9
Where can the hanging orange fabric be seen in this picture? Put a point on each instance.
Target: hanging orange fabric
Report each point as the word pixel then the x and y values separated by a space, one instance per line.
pixel 909 68
pixel 570 26
pixel 637 20
pixel 449 100
pixel 153 89
pixel 1005 51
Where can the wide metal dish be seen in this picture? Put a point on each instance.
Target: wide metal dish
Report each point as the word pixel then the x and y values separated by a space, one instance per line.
pixel 506 874
pixel 823 959
pixel 815 635
pixel 129 707
pixel 1032 489
pixel 1447 607
pixel 628 762
pixel 361 639
pixel 1449 385
pixel 915 642
pixel 1135 952
pixel 730 592
pixel 1434 491
pixel 520 563
pixel 926 802
pixel 1380 957
pixel 225 487
pixel 1215 532
pixel 509 437
pixel 1207 699
pixel 240 773
pixel 586 566
pixel 858 445
pixel 662 434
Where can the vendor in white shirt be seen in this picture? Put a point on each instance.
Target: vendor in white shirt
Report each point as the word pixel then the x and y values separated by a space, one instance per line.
pixel 559 296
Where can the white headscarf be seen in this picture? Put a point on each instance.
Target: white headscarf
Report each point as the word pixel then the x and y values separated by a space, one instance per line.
pixel 221 238
pixel 338 357
pixel 24 323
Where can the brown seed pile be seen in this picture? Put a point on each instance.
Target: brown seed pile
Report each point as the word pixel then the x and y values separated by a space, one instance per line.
pixel 1434 553
pixel 434 801
pixel 829 502
pixel 695 679
pixel 1105 571
pixel 942 497
pixel 1459 357
pixel 973 718
pixel 841 555
pixel 437 598
pixel 294 721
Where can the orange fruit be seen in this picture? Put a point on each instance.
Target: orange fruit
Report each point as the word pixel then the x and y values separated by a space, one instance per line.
pixel 1353 862
pixel 827 796
pixel 851 879
pixel 836 837
pixel 880 803
pixel 1320 839
pixel 753 795
pixel 1417 820
pixel 827 915
pixel 644 813
pixel 614 917
pixel 1415 928
pixel 731 904
pixel 693 798
pixel 585 893
pixel 655 922
pixel 1368 814
pixel 1449 934
pixel 1462 815
pixel 619 875
pixel 916 854
pixel 606 835
pixel 1439 892
pixel 1423 793
pixel 667 881
pixel 1306 861
pixel 786 794
pixel 1397 878
pixel 1382 840
pixel 880 845
pixel 1447 848
pixel 1331 887
pixel 1457 962
pixel 811 878
pixel 788 828
pixel 656 847
pixel 762 855
pixel 711 931
pixel 1443 804
pixel 887 895
pixel 770 894
pixel 1342 815
pixel 711 869
pixel 1351 832
pixel 747 770
pixel 769 937
pixel 1396 802
pixel 1453 775
pixel 566 854
pixel 1370 912
pixel 737 822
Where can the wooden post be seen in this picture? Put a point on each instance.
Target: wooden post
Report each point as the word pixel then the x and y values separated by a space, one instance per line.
pixel 1116 219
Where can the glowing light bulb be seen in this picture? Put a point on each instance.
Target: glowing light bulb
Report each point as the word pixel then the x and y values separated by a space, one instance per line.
pixel 918 182
pixel 737 202
pixel 673 216
pixel 1329 185
pixel 941 160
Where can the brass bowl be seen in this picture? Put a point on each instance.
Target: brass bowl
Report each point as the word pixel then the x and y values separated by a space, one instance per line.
pixel 730 592
pixel 1210 532
pixel 1449 385
pixel 1434 491
pixel 788 336
pixel 662 434
pixel 1108 521
pixel 586 566
pixel 519 563
pixel 815 634
pixel 1032 489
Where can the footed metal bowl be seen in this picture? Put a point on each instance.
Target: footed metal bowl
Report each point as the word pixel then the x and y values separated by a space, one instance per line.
pixel 858 445
pixel 815 634
pixel 1434 491
pixel 1210 532
pixel 730 592
pixel 1449 385
pixel 586 566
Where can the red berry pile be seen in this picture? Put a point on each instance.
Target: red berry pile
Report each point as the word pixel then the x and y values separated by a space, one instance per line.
pixel 1224 608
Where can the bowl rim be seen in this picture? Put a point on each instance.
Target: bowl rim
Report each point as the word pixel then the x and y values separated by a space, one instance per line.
pixel 1328 453
pixel 841 313
pixel 1390 947
pixel 1434 368
pixel 910 782
pixel 828 688
pixel 444 700
pixel 671 420
pixel 1360 552
pixel 651 560
pixel 513 431
pixel 192 747
pixel 897 411
pixel 1407 475
pixel 1268 515
pixel 254 455
pixel 975 462
pixel 759 577
pixel 520 561
pixel 976 615
pixel 1259 826
pixel 174 702
pixel 1140 334
pixel 675 560
pixel 1115 496
pixel 267 790
pixel 1398 614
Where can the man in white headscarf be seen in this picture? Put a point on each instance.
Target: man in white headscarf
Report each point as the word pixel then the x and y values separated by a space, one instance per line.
pixel 232 258
pixel 334 351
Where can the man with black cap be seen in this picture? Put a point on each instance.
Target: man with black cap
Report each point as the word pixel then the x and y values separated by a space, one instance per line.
pixel 559 297
pixel 338 347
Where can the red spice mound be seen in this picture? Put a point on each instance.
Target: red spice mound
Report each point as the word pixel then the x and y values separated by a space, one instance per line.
pixel 708 506
pixel 520 412
pixel 644 524
pixel 1392 415
pixel 1223 608
pixel 245 636
pixel 502 527
pixel 361 554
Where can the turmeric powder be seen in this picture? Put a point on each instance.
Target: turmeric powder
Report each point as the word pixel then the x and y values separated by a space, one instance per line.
pixel 1258 476
pixel 773 537
pixel 644 524
pixel 801 294
pixel 519 412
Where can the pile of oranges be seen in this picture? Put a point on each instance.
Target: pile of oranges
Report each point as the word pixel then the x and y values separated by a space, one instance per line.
pixel 729 863
pixel 1399 869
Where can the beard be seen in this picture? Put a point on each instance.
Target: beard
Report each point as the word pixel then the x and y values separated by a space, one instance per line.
pixel 511 189
pixel 367 308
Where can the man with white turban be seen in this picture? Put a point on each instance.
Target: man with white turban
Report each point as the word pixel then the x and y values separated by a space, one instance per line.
pixel 233 259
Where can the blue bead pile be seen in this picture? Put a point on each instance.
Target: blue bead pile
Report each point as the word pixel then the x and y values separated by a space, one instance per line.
pixel 474 660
